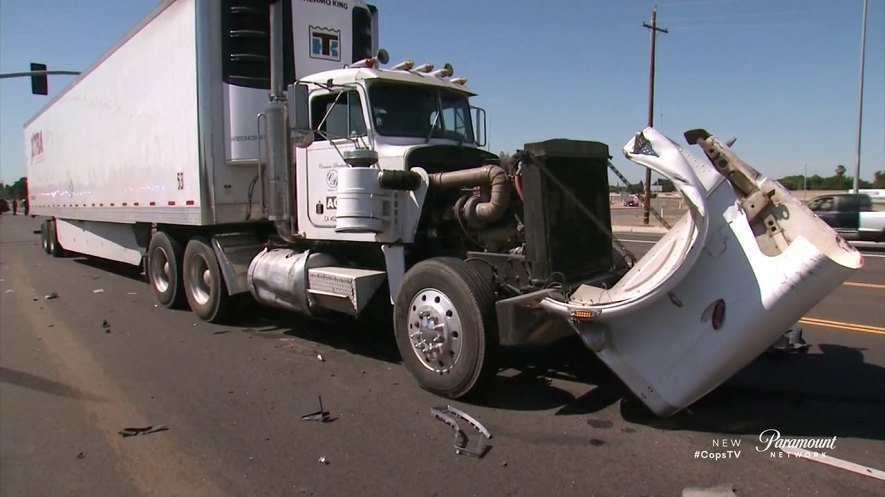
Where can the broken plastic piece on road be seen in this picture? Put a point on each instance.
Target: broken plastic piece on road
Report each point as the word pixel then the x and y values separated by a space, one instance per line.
pixel 147 430
pixel 320 416
pixel 50 296
pixel 98 290
pixel 791 342
pixel 449 415
pixel 323 460
pixel 320 357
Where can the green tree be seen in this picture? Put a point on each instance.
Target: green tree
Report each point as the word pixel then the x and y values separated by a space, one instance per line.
pixel 878 179
pixel 506 159
pixel 794 182
pixel 666 185
pixel 17 190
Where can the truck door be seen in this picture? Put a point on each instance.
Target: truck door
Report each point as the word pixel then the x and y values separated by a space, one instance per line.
pixel 339 123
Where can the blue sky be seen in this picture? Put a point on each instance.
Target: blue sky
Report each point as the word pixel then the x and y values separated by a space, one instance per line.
pixel 780 75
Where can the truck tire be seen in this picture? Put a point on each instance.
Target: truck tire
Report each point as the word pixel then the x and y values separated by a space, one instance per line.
pixel 164 270
pixel 55 248
pixel 203 282
pixel 445 328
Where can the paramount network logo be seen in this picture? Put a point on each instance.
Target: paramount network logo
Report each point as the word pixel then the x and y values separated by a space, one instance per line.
pixel 325 43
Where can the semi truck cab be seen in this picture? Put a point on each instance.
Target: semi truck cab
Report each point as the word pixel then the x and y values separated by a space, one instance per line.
pixel 405 119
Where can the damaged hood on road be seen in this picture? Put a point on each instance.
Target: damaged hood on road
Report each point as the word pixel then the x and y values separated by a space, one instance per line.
pixel 743 265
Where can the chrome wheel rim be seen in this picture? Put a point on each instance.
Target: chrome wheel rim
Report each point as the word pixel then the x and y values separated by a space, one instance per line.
pixel 435 330
pixel 200 280
pixel 160 270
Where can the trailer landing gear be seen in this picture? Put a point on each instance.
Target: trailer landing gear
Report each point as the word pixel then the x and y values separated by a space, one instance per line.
pixel 444 325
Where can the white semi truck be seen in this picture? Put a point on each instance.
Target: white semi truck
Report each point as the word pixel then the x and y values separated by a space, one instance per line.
pixel 254 149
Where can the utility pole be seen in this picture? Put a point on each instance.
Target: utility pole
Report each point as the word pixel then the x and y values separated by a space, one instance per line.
pixel 805 183
pixel 863 49
pixel 651 103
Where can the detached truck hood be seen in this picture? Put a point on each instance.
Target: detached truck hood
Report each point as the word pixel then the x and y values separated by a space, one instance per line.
pixel 734 274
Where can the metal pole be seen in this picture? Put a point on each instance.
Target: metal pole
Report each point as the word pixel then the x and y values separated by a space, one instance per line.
pixel 863 48
pixel 805 183
pixel 651 104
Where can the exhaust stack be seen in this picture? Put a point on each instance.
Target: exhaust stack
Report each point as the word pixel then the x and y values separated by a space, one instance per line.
pixel 279 171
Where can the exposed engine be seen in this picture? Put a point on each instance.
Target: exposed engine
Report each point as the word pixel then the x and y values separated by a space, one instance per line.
pixel 543 220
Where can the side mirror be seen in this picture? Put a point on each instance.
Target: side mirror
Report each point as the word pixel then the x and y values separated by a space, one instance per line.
pixel 480 128
pixel 299 111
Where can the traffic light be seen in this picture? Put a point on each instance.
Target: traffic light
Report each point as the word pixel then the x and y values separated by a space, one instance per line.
pixel 39 82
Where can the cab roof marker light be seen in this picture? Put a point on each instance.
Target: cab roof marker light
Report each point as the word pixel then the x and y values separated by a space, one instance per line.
pixel 458 81
pixel 423 68
pixel 368 62
pixel 382 57
pixel 445 72
pixel 404 65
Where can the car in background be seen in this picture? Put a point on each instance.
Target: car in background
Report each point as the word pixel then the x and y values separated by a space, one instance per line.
pixel 4 205
pixel 852 215
pixel 631 201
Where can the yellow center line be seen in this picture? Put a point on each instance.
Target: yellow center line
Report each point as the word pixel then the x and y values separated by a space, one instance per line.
pixel 864 285
pixel 839 325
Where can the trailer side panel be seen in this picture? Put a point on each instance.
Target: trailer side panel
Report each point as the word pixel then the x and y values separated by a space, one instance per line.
pixel 121 144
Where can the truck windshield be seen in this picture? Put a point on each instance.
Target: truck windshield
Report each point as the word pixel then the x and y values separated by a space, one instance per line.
pixel 420 111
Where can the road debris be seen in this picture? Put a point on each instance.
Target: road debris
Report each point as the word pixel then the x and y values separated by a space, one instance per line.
pixel 147 430
pixel 9 291
pixel 81 455
pixel 320 416
pixel 98 290
pixel 50 296
pixel 320 357
pixel 790 342
pixel 450 416
pixel 323 460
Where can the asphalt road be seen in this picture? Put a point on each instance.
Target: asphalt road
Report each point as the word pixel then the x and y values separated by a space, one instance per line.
pixel 232 397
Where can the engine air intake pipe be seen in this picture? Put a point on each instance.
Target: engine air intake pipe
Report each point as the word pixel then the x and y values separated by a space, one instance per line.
pixel 474 210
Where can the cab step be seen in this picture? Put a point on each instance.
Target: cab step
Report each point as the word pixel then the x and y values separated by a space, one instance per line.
pixel 343 289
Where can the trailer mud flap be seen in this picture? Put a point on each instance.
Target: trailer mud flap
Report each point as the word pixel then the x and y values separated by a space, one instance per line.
pixel 722 285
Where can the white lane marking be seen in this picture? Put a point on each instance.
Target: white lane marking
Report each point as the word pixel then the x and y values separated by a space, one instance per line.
pixel 833 461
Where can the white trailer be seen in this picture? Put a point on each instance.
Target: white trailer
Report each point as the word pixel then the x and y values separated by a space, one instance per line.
pixel 361 185
pixel 162 128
